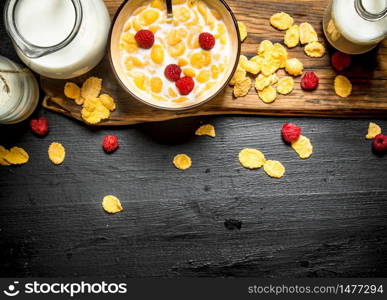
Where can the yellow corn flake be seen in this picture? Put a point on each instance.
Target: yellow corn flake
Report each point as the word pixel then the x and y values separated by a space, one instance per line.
pixel 3 153
pixel 72 91
pixel 128 42
pixel 182 161
pixel 156 84
pixel 264 47
pixel 94 111
pixel 285 85
pixel 108 102
pixel 251 67
pixel 91 88
pixel 111 204
pixel 207 129
pixel 258 59
pixel 373 130
pixel 307 34
pixel 16 156
pixel 242 60
pixel 56 153
pixel 263 81
pixel 274 168
pixel 314 49
pixel 281 21
pixel 242 87
pixel 239 75
pixel 292 36
pixel 343 86
pixel 303 147
pixel 268 94
pixel 251 158
pixel 294 66
pixel 269 67
pixel 278 55
pixel 242 31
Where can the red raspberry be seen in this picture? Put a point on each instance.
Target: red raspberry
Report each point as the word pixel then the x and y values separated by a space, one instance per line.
pixel 309 81
pixel 110 143
pixel 172 72
pixel 145 38
pixel 185 85
pixel 206 41
pixel 290 132
pixel 39 126
pixel 380 143
pixel 340 61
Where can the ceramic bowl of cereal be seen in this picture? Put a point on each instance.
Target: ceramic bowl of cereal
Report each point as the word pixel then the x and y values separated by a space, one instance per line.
pixel 174 63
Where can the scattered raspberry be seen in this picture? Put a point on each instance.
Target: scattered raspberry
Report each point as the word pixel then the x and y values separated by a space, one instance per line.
pixel 145 38
pixel 380 143
pixel 185 85
pixel 110 143
pixel 206 41
pixel 340 61
pixel 172 72
pixel 39 126
pixel 290 132
pixel 309 81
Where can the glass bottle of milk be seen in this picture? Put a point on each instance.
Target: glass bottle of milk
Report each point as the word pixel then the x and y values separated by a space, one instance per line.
pixel 19 92
pixel 355 26
pixel 58 38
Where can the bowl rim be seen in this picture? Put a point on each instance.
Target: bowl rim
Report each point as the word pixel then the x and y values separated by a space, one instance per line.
pixel 177 109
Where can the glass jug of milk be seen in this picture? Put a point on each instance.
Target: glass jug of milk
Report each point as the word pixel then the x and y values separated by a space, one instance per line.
pixel 355 26
pixel 58 38
pixel 19 92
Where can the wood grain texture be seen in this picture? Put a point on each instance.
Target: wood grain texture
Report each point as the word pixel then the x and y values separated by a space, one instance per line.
pixel 326 218
pixel 368 76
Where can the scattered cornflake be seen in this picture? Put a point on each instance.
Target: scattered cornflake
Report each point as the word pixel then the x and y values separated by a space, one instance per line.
pixel 373 130
pixel 206 129
pixel 281 21
pixel 239 75
pixel 303 147
pixel 111 204
pixel 343 86
pixel 292 36
pixel 94 111
pixel 278 55
pixel 264 47
pixel 307 34
pixel 269 67
pixel 3 153
pixel 274 168
pixel 56 153
pixel 251 158
pixel 73 91
pixel 91 88
pixel 108 102
pixel 182 161
pixel 263 81
pixel 242 87
pixel 16 156
pixel 242 30
pixel 285 85
pixel 294 66
pixel 314 49
pixel 251 67
pixel 268 94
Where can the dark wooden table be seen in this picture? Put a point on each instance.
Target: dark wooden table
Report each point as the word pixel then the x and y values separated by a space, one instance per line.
pixel 327 217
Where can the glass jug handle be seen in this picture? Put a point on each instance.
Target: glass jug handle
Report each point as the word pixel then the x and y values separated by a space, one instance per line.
pixel 34 51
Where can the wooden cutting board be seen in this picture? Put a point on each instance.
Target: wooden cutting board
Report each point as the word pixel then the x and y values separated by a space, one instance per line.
pixel 368 75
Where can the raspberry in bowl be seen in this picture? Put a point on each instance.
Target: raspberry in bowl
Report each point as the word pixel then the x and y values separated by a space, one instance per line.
pixel 178 63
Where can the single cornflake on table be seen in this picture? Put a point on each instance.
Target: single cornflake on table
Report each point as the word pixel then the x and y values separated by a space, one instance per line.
pixel 342 85
pixel 373 130
pixel 56 153
pixel 111 204
pixel 251 158
pixel 303 147
pixel 206 129
pixel 182 161
pixel 274 168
